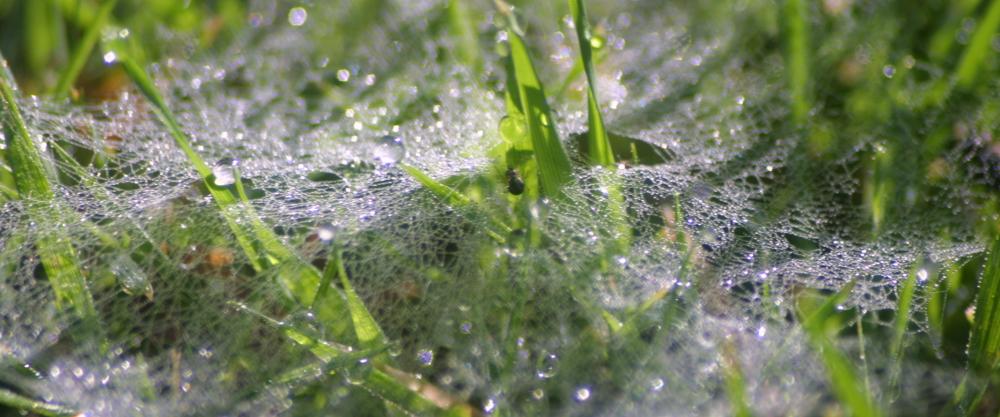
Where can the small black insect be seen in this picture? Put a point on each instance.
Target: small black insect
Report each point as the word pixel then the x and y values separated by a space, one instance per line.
pixel 514 182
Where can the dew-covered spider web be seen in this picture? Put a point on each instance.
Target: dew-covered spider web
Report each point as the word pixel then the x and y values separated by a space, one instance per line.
pixel 318 108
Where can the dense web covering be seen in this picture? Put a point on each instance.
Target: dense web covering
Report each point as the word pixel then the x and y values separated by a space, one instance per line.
pixel 306 125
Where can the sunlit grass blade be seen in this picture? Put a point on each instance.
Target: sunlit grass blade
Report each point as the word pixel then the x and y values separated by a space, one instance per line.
pixel 365 328
pixel 796 18
pixel 979 49
pixel 847 386
pixel 27 405
pixel 398 388
pixel 903 306
pixel 83 51
pixel 984 348
pixel 735 384
pixel 301 279
pixel 554 170
pixel 453 197
pixel 462 25
pixel 599 144
pixel 55 250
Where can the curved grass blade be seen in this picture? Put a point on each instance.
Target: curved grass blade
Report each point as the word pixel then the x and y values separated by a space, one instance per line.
pixel 365 328
pixel 844 381
pixel 979 47
pixel 18 402
pixel 83 51
pixel 264 249
pixel 599 144
pixel 554 170
pixel 453 197
pixel 984 348
pixel 55 250
pixel 392 385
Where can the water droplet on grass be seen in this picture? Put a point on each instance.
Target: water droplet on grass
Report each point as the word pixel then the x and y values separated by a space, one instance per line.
pixel 657 384
pixel 223 172
pixel 582 394
pixel 325 232
pixel 389 150
pixel 132 279
pixel 547 369
pixel 425 357
pixel 297 16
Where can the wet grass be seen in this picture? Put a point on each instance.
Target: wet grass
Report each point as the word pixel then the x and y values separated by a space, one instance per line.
pixel 535 154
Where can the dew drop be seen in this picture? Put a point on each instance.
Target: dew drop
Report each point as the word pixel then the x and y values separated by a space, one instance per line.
pixel 597 41
pixel 425 357
pixel 132 279
pixel 922 275
pixel 297 16
pixel 548 366
pixel 223 172
pixel 582 394
pixel 888 71
pixel 389 150
pixel 343 75
pixel 657 384
pixel 538 393
pixel 110 57
pixel 489 406
pixel 325 232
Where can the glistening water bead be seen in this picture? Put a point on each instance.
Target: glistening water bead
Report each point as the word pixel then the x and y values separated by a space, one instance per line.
pixel 223 172
pixel 389 150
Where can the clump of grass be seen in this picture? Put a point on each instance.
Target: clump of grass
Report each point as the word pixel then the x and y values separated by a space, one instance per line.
pixel 984 348
pixel 56 251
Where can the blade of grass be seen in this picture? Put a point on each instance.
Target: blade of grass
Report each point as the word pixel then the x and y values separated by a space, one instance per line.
pixel 83 51
pixel 454 198
pixel 599 145
pixel 846 385
pixel 554 170
pixel 462 24
pixel 984 348
pixel 979 48
pixel 598 142
pixel 18 402
pixel 796 17
pixel 903 306
pixel 300 279
pixel 392 385
pixel 365 328
pixel 55 250
pixel 735 384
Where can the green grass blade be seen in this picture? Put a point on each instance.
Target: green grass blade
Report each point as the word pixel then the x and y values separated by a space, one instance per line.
pixel 19 402
pixel 796 17
pixel 394 386
pixel 365 328
pixel 554 170
pixel 300 279
pixel 599 144
pixel 984 348
pixel 735 384
pixel 979 48
pixel 847 386
pixel 462 25
pixel 903 305
pixel 55 250
pixel 453 197
pixel 83 51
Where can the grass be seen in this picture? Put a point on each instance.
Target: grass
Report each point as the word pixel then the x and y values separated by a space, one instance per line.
pixel 54 249
pixel 856 110
pixel 984 348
